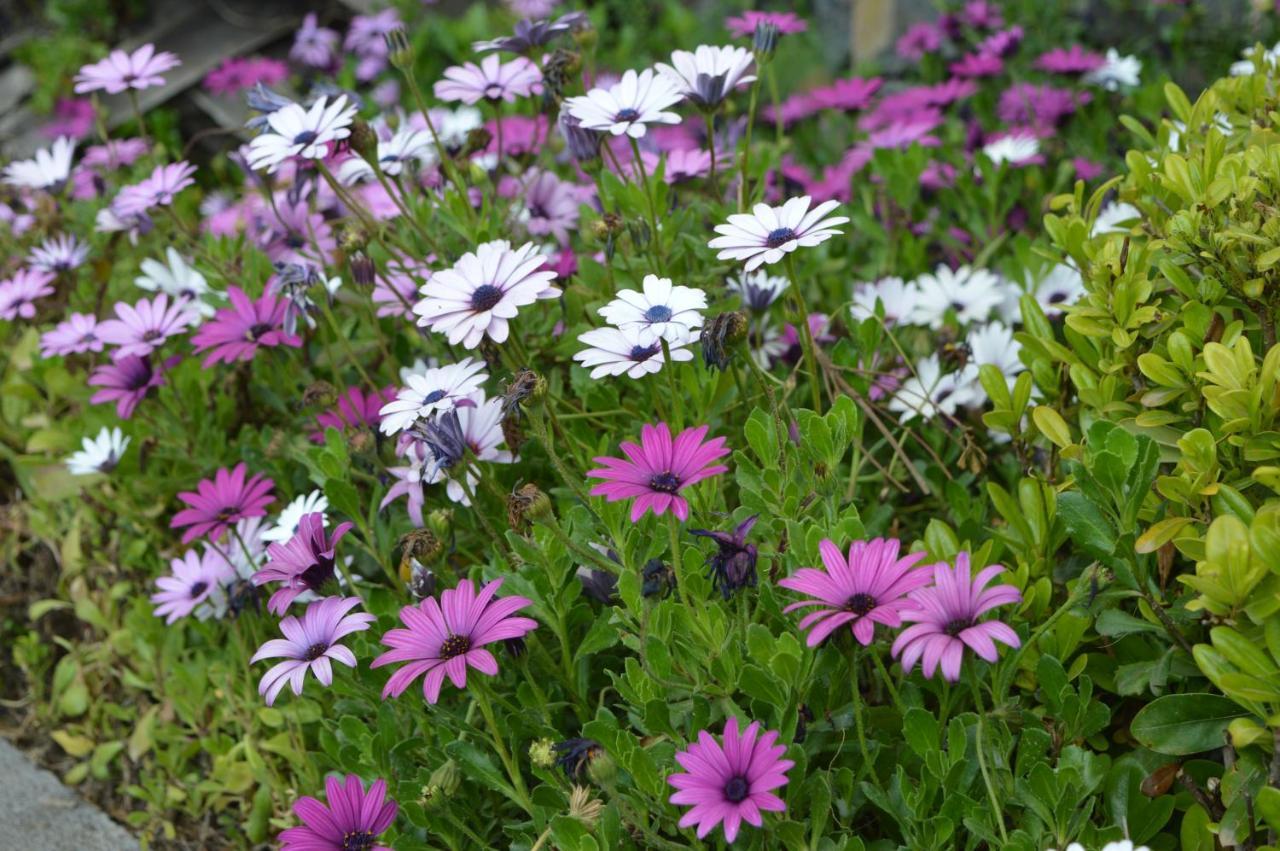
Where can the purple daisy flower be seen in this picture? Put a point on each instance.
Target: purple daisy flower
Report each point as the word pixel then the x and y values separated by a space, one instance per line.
pixel 309 644
pixel 158 190
pixel 657 468
pixel 303 563
pixel 74 335
pixel 352 821
pixel 127 382
pixel 121 71
pixel 194 577
pixel 746 23
pixel 142 328
pixel 355 409
pixel 944 618
pixel 237 332
pixel 18 294
pixel 221 501
pixel 847 95
pixel 868 587
pixel 61 253
pixel 313 44
pixel 730 781
pixel 1070 60
pixel 492 80
pixel 446 637
pixel 919 40
pixel 550 206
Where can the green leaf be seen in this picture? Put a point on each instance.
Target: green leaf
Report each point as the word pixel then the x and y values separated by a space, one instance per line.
pixel 1086 524
pixel 1184 724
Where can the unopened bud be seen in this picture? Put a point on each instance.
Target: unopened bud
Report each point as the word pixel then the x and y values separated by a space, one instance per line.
pixel 319 394
pixel 363 270
pixel 764 41
pixel 361 441
pixel 602 769
pixel 364 141
pixel 399 50
pixel 478 138
pixel 528 505
pixel 542 753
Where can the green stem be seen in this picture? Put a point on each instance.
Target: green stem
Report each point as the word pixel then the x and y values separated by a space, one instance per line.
pixel 481 694
pixel 642 175
pixel 677 402
pixel 857 714
pixel 996 812
pixel 743 194
pixel 806 336
pixel 711 145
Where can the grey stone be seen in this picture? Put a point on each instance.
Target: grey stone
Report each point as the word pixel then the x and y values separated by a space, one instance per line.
pixel 37 811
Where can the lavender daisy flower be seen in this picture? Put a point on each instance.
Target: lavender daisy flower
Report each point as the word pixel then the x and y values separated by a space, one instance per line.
pixel 99 454
pixel 142 328
pixel 550 206
pixel 304 133
pixel 482 291
pixel 445 638
pixel 18 294
pixel 127 382
pixel 239 331
pixel 121 71
pixel 263 101
pixel 195 576
pixel 352 821
pixel 61 253
pixel 730 781
pixel 158 190
pixel 944 618
pixel 48 169
pixel 313 44
pixel 304 563
pixel 74 335
pixel 768 234
pixel 492 80
pixel 868 587
pixel 436 390
pixel 629 105
pixel 219 502
pixel 758 290
pixel 531 34
pixel 309 644
pixel 367 41
pixel 708 75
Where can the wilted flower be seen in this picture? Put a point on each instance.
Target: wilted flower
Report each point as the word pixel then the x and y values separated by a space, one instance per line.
pixel 733 564
pixel 304 563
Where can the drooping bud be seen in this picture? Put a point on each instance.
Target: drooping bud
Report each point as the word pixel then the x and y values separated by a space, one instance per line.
pixel 528 505
pixel 720 336
pixel 478 138
pixel 399 50
pixel 364 141
pixel 526 389
pixel 363 270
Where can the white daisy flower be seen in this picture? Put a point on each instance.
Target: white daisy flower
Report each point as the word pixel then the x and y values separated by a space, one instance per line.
pixel 1061 287
pixel 767 234
pixel 629 105
pixel 297 132
pixel 178 279
pixel 1246 67
pixel 47 169
pixel 61 253
pixel 292 514
pixel 758 290
pixel 431 391
pixel 99 454
pixel 1122 845
pixel 897 296
pixel 671 313
pixel 1117 72
pixel 453 125
pixel 484 290
pixel 1112 218
pixel 615 351
pixel 994 344
pixel 930 393
pixel 1014 148
pixel 971 294
pixel 709 74
pixel 405 146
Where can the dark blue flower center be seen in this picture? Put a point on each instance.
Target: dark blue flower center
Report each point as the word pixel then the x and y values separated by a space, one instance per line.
pixel 485 297
pixel 627 114
pixel 493 91
pixel 737 789
pixel 454 645
pixel 358 840
pixel 957 626
pixel 433 396
pixel 664 482
pixel 255 332
pixel 779 236
pixel 860 604
pixel 658 313
pixel 199 588
pixel 306 137
pixel 315 651
pixel 643 353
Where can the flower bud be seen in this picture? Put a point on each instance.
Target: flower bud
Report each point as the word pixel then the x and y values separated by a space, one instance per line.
pixel 602 769
pixel 542 753
pixel 764 41
pixel 583 807
pixel 440 521
pixel 363 270
pixel 478 138
pixel 361 441
pixel 528 505
pixel 364 141
pixel 399 50
pixel 448 777
pixel 720 336
pixel 319 394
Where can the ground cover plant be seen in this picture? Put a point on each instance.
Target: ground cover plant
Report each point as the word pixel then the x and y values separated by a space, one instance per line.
pixel 549 429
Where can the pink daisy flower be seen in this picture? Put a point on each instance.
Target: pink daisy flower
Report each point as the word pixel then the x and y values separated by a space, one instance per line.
pixel 978 65
pixel 158 190
pixel 657 469
pixel 745 24
pixel 121 71
pixel 1070 60
pixel 127 382
pixel 219 502
pixel 446 637
pixel 74 335
pixel 492 80
pixel 353 819
pixel 195 576
pixel 868 587
pixel 850 94
pixel 18 294
pixel 142 328
pixel 730 781
pixel 355 409
pixel 944 618
pixel 303 563
pixel 309 644
pixel 918 41
pixel 237 332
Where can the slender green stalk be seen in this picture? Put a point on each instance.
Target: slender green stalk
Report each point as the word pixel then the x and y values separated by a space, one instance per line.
pixel 677 400
pixel 711 145
pixel 996 812
pixel 857 713
pixel 643 176
pixel 481 693
pixel 806 336
pixel 743 194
